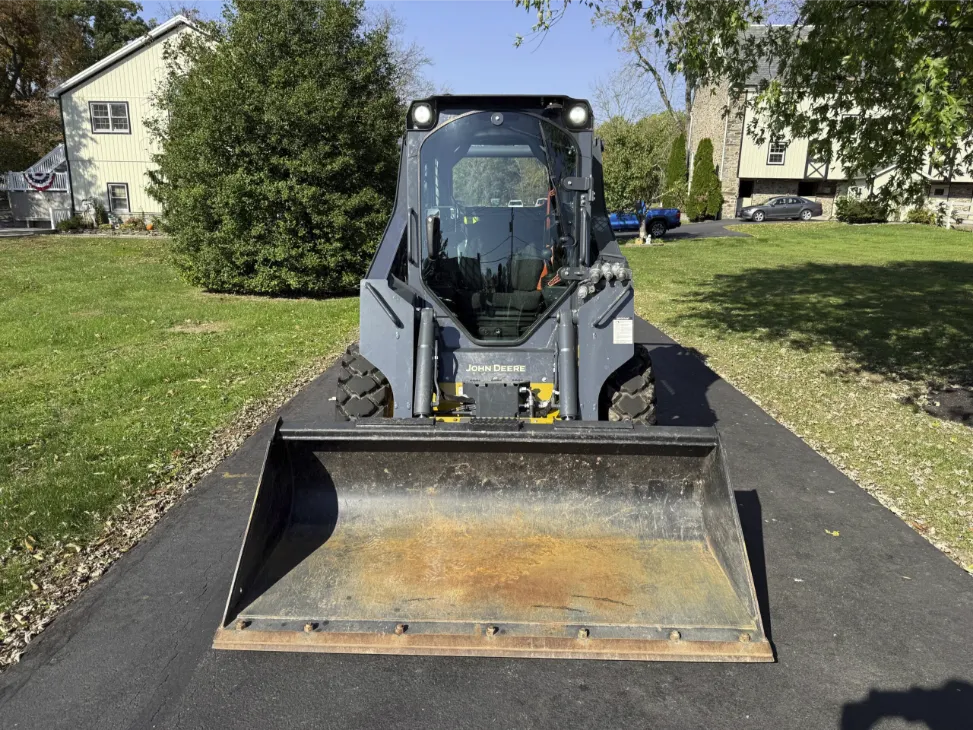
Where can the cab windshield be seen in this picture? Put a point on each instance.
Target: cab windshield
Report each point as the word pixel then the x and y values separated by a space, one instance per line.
pixel 506 227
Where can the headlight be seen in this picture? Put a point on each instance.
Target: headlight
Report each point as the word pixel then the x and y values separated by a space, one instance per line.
pixel 578 115
pixel 422 115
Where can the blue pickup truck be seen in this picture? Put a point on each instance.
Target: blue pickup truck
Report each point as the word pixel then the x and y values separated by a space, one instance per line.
pixel 657 221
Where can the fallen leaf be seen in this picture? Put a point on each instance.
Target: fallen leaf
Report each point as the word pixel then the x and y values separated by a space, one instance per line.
pixel 835 533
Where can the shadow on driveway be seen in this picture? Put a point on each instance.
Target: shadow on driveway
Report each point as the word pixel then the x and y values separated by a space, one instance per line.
pixel 949 707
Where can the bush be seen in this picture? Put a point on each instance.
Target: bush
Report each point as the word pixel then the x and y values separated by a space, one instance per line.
pixel 921 215
pixel 74 223
pixel 676 174
pixel 869 210
pixel 159 224
pixel 635 158
pixel 714 198
pixel 105 227
pixel 279 149
pixel 943 213
pixel 705 196
pixel 134 223
pixel 100 214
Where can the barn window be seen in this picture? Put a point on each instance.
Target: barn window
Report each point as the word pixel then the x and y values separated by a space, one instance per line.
pixel 118 198
pixel 109 117
pixel 776 152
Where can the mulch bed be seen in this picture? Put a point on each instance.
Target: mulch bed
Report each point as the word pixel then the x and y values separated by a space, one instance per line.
pixel 951 404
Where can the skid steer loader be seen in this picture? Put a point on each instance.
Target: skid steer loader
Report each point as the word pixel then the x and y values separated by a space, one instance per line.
pixel 498 488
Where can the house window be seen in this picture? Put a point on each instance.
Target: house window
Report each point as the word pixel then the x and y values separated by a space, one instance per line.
pixel 109 117
pixel 776 153
pixel 940 192
pixel 118 198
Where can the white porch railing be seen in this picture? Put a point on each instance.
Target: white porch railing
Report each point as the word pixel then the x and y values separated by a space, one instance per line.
pixel 16 182
pixel 51 161
pixel 58 215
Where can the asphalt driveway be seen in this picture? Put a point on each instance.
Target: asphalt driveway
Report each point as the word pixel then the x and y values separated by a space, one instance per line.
pixel 704 229
pixel 872 628
pixel 707 229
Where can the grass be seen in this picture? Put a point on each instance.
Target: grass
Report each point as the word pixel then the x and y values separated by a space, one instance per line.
pixel 839 332
pixel 112 371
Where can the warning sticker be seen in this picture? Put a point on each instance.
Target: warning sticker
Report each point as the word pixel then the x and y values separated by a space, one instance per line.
pixel 623 332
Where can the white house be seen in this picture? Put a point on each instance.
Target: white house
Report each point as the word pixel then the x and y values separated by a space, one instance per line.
pixel 104 109
pixel 751 173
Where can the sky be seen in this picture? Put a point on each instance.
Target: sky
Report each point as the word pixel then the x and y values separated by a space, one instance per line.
pixel 471 44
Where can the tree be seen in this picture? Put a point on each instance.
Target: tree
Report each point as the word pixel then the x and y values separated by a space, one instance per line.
pixel 646 59
pixel 634 161
pixel 625 92
pixel 279 149
pixel 479 180
pixel 409 58
pixel 189 9
pixel 29 129
pixel 705 197
pixel 41 44
pixel 875 85
pixel 674 192
pixel 103 25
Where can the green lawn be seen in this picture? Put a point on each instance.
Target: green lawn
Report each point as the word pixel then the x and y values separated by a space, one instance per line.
pixel 837 330
pixel 113 371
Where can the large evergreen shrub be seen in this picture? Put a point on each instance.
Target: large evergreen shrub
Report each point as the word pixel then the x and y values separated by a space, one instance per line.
pixel 279 148
pixel 705 196
pixel 677 174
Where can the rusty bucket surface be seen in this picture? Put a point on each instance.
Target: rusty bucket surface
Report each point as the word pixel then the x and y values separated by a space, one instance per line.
pixel 557 542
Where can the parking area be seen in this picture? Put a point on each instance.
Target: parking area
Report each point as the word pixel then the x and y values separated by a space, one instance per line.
pixel 707 229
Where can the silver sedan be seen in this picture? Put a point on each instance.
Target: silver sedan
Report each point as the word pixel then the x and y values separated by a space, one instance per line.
pixel 782 208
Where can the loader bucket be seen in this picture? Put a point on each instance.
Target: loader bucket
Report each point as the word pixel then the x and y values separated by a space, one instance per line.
pixel 602 541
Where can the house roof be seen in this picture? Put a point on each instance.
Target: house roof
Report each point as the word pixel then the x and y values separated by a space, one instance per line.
pixel 766 67
pixel 121 54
